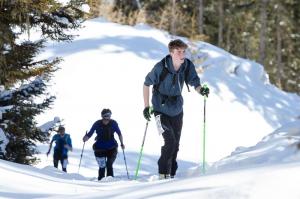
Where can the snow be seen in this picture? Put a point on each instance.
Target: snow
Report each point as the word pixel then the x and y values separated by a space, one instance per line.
pixel 252 128
pixel 3 139
pixel 275 181
pixel 50 125
pixel 278 147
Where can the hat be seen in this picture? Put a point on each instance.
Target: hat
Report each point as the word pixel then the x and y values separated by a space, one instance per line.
pixel 106 113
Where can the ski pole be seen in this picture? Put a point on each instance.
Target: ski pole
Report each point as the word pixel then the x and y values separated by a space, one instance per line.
pixel 204 131
pixel 141 152
pixel 81 154
pixel 125 164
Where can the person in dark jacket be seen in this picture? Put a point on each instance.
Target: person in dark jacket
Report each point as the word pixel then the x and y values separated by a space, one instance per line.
pixel 168 77
pixel 105 147
pixel 63 144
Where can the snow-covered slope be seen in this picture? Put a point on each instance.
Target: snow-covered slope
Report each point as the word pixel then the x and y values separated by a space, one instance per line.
pixel 281 146
pixel 106 65
pixel 276 182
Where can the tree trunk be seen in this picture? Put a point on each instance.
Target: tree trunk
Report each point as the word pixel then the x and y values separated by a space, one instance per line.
pixel 228 43
pixel 221 23
pixel 200 17
pixel 173 22
pixel 263 31
pixel 138 3
pixel 279 72
pixel 94 7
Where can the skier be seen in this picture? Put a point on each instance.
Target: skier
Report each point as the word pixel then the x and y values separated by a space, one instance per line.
pixel 168 77
pixel 105 147
pixel 63 144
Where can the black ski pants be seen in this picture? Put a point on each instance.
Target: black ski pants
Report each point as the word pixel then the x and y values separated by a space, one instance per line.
pixel 172 126
pixel 105 159
pixel 59 157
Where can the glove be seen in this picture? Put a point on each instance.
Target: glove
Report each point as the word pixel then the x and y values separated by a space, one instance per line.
pixel 147 113
pixel 204 91
pixel 122 146
pixel 85 138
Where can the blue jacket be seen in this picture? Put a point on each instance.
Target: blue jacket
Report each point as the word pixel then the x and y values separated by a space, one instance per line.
pixel 60 142
pixel 167 99
pixel 105 134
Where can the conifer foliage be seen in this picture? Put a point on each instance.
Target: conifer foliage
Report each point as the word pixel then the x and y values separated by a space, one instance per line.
pixel 25 78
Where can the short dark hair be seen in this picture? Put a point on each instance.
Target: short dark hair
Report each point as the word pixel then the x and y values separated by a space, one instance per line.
pixel 177 43
pixel 61 129
pixel 106 113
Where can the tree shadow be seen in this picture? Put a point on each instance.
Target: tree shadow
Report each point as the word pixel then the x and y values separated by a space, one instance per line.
pixel 144 47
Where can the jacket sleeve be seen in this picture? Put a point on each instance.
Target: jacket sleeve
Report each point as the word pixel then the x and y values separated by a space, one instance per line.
pixel 69 141
pixel 152 77
pixel 116 128
pixel 54 138
pixel 192 77
pixel 92 130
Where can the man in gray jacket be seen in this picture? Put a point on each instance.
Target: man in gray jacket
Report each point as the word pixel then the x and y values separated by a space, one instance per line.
pixel 168 77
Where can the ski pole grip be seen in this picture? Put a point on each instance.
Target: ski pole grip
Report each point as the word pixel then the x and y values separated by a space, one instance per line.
pixel 205 87
pixel 151 110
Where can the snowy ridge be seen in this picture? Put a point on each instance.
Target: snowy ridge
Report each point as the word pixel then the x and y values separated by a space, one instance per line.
pixel 281 146
pixel 255 183
pixel 102 67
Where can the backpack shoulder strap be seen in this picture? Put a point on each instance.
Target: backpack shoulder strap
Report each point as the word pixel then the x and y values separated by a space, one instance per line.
pixel 186 74
pixel 163 73
pixel 108 125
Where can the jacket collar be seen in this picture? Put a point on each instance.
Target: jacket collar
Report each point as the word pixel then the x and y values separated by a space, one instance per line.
pixel 168 63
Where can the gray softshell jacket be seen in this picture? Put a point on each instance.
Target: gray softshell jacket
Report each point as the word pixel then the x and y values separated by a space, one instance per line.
pixel 167 98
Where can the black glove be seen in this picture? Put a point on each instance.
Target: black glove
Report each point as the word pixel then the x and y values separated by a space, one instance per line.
pixel 204 91
pixel 122 146
pixel 147 113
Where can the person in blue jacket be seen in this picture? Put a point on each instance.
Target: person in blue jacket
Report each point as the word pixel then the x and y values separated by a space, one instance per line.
pixel 167 78
pixel 63 144
pixel 105 147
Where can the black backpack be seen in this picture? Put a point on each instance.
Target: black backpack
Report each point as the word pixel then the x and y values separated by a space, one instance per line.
pixel 165 72
pixel 107 134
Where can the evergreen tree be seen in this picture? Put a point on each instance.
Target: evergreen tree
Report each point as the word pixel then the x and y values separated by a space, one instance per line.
pixel 127 6
pixel 24 77
pixel 286 68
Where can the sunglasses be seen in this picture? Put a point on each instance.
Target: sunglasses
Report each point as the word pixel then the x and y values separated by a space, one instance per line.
pixel 106 116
